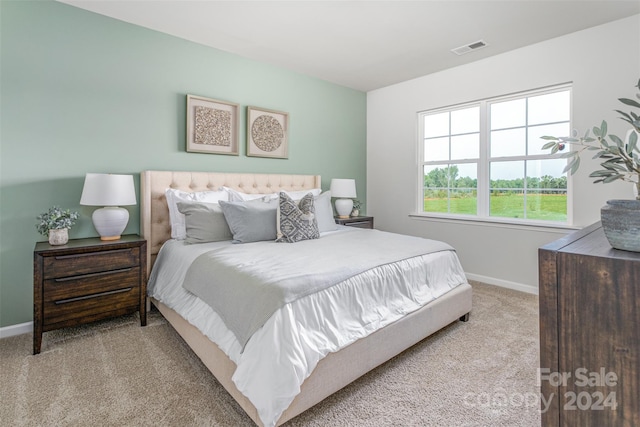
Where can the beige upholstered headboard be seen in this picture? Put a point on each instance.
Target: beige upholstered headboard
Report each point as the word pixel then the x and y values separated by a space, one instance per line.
pixel 154 213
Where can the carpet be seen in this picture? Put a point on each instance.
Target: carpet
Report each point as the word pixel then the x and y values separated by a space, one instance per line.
pixel 116 373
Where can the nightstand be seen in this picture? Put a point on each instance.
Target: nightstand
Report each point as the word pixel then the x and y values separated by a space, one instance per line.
pixel 87 280
pixel 356 221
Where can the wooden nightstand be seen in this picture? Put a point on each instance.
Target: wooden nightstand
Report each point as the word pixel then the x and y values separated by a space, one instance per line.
pixel 356 221
pixel 87 280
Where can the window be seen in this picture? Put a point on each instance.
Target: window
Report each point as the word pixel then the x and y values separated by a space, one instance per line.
pixel 485 159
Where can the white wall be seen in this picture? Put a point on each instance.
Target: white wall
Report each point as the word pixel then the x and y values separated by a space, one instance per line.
pixel 603 63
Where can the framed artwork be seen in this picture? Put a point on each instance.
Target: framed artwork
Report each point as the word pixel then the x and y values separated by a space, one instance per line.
pixel 267 133
pixel 212 126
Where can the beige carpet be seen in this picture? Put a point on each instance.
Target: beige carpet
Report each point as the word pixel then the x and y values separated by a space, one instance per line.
pixel 115 373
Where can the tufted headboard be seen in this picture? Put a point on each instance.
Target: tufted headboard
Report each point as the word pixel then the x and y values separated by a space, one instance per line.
pixel 154 213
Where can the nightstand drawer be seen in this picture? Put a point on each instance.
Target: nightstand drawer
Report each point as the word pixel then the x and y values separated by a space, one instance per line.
pixel 91 283
pixel 89 307
pixel 356 221
pixel 79 296
pixel 90 262
pixel 360 224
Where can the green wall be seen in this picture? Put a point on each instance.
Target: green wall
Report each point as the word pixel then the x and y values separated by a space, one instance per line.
pixel 85 93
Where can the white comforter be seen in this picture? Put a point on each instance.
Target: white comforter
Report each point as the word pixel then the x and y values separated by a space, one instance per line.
pixel 284 352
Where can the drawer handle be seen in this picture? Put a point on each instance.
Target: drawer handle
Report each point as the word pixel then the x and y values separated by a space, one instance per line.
pixel 91 254
pixel 84 297
pixel 358 222
pixel 101 273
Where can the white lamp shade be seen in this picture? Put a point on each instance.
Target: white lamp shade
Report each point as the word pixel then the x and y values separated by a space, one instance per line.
pixel 343 188
pixel 111 191
pixel 101 189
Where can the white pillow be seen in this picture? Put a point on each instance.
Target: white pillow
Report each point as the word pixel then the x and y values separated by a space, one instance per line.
pixel 298 195
pixel 238 196
pixel 177 219
pixel 324 212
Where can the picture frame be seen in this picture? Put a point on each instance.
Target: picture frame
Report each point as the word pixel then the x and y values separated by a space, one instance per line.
pixel 267 133
pixel 212 126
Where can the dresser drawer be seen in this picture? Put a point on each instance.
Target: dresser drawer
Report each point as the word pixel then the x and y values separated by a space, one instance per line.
pixel 90 295
pixel 90 262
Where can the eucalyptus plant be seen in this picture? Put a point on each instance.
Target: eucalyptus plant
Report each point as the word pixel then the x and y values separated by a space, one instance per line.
pixel 620 158
pixel 54 219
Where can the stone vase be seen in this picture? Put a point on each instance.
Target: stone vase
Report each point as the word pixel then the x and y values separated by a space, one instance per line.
pixel 621 224
pixel 59 236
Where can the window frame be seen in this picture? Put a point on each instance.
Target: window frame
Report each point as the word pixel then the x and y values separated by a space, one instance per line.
pixel 484 160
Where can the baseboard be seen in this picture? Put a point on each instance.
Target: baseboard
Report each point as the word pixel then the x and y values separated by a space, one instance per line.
pixel 503 283
pixel 19 329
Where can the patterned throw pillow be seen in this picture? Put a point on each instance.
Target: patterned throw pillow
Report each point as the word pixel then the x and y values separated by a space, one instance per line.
pixel 296 221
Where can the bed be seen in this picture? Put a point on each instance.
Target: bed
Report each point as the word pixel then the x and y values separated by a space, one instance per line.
pixel 333 370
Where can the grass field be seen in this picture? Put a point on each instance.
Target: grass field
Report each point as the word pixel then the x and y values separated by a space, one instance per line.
pixel 547 207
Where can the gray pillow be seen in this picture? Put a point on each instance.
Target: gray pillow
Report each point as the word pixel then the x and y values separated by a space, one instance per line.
pixel 204 222
pixel 296 220
pixel 251 221
pixel 324 212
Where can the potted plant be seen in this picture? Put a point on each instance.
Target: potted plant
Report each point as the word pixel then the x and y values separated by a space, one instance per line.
pixel 55 223
pixel 357 205
pixel 620 161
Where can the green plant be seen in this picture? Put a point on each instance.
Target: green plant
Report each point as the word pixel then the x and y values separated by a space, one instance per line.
pixel 620 158
pixel 54 219
pixel 357 204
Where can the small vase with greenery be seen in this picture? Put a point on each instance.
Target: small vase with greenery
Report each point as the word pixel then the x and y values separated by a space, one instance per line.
pixel 620 161
pixel 55 224
pixel 357 205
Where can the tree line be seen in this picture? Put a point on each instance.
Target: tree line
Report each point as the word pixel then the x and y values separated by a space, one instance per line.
pixel 447 177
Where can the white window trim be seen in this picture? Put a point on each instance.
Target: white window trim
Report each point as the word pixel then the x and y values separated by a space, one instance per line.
pixel 549 226
pixel 483 165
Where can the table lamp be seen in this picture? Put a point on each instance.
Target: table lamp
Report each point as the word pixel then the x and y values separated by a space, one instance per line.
pixel 345 191
pixel 109 191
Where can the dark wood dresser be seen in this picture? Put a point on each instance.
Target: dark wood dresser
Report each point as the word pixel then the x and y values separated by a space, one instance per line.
pixel 589 332
pixel 87 280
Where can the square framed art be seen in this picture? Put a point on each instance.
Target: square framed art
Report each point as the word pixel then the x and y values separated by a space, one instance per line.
pixel 267 133
pixel 212 126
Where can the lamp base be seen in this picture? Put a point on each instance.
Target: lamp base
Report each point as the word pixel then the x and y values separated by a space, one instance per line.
pixel 344 207
pixel 110 222
pixel 110 237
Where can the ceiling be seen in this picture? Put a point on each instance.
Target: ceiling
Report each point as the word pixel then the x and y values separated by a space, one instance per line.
pixel 362 44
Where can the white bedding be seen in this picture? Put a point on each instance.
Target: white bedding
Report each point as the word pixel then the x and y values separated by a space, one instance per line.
pixel 284 352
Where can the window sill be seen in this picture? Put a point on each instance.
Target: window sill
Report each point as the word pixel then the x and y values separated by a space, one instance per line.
pixel 550 227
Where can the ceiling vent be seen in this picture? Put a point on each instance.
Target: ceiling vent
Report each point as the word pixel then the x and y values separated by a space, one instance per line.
pixel 469 47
